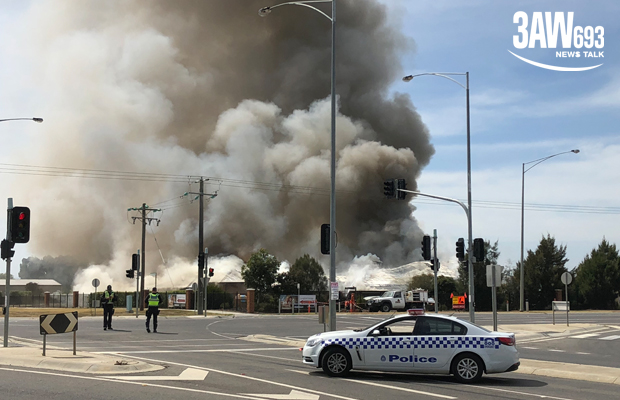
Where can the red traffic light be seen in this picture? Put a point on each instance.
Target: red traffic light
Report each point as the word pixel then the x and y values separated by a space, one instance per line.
pixel 22 216
pixel 210 271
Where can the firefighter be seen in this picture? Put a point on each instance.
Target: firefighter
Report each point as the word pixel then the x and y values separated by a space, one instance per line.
pixel 107 301
pixel 152 301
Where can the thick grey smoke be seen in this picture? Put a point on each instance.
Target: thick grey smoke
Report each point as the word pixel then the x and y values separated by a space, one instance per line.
pixel 208 88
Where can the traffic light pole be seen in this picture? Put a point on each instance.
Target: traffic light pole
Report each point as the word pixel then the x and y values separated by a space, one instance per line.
pixel 469 250
pixel 137 288
pixel 7 287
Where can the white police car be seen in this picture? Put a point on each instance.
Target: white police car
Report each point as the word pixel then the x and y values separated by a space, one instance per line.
pixel 415 342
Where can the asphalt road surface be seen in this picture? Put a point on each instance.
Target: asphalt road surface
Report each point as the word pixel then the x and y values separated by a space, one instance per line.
pixel 212 357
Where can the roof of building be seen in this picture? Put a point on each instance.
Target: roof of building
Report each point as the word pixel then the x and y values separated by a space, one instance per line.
pixel 24 282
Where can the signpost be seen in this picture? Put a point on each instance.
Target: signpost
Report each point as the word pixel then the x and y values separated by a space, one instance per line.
pixel 58 323
pixel 566 279
pixel 494 278
pixel 96 285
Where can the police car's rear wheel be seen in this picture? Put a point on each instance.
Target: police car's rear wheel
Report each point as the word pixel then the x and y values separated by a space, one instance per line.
pixel 467 368
pixel 336 362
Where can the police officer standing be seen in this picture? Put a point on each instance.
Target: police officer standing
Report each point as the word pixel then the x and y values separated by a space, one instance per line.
pixel 153 301
pixel 107 300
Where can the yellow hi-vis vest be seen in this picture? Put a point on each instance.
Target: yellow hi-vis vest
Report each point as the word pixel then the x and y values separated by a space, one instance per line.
pixel 153 300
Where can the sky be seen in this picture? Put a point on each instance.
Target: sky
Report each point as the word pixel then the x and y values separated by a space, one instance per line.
pixel 519 113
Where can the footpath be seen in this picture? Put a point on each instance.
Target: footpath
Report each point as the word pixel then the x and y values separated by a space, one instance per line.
pixel 23 354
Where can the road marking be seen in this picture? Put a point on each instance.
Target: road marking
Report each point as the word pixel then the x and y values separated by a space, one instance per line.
pixel 242 377
pixel 582 353
pixel 530 348
pixel 195 351
pixel 557 351
pixel 542 396
pixel 585 335
pixel 93 378
pixel 386 386
pixel 294 395
pixel 614 337
pixel 190 374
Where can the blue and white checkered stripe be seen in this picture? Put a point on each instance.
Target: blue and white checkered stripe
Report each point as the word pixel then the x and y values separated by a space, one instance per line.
pixel 422 342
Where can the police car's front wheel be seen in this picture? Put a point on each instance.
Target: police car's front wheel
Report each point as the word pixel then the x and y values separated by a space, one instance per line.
pixel 336 362
pixel 467 368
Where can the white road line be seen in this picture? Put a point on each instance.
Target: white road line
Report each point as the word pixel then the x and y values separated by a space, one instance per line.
pixel 582 353
pixel 557 351
pixel 542 396
pixel 530 348
pixel 243 377
pixel 93 378
pixel 386 386
pixel 194 351
pixel 585 335
pixel 614 337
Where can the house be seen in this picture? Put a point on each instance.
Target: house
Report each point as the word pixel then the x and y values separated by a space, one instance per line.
pixel 19 285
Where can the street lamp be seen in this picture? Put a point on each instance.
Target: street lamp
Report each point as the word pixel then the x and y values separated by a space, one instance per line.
pixel 39 120
pixel 332 209
pixel 446 75
pixel 522 272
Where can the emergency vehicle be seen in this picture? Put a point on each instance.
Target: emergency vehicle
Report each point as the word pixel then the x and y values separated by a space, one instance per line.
pixel 415 342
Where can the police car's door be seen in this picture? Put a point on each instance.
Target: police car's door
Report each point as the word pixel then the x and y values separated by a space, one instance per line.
pixel 390 347
pixel 435 341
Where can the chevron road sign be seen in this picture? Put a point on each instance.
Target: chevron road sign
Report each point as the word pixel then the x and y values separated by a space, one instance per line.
pixel 58 323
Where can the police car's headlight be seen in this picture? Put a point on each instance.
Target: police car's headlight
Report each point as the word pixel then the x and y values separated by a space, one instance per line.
pixel 312 342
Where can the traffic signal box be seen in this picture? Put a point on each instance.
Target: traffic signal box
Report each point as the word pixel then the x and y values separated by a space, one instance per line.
pixel 479 249
pixel 325 247
pixel 210 272
pixel 7 249
pixel 389 189
pixel 135 266
pixel 20 224
pixel 460 249
pixel 401 184
pixel 426 247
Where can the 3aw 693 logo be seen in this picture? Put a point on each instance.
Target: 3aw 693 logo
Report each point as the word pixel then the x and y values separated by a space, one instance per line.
pixel 546 28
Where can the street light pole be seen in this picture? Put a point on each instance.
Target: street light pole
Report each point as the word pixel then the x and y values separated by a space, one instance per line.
pixel 332 204
pixel 470 268
pixel 522 267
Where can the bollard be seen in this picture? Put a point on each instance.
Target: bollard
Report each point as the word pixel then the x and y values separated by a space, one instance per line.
pixel 129 301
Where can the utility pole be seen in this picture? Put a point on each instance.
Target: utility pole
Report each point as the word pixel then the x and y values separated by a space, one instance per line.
pixel 144 209
pixel 201 254
pixel 436 268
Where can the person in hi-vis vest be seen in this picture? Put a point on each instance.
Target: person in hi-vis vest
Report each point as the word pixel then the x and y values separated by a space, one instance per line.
pixel 107 301
pixel 152 301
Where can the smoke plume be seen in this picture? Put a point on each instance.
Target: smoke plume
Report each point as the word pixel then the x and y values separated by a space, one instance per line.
pixel 208 88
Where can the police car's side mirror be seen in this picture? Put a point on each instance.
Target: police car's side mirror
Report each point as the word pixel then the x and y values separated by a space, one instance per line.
pixel 376 332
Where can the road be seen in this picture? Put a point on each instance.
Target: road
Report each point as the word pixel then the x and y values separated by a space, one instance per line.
pixel 213 357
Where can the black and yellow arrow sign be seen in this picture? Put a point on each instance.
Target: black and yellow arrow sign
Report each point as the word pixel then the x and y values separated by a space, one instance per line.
pixel 58 323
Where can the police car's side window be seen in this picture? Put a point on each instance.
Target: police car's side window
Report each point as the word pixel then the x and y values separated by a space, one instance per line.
pixel 458 329
pixel 436 326
pixel 402 327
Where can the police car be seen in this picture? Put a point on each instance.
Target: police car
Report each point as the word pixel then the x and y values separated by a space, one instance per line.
pixel 415 342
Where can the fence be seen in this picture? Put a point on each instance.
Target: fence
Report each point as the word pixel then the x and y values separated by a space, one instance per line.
pixel 215 300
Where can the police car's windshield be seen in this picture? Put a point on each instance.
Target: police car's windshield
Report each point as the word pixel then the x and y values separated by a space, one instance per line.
pixel 374 324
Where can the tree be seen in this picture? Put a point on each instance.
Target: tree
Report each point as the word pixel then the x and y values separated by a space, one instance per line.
pixel 3 275
pixel 482 293
pixel 597 279
pixel 260 272
pixel 543 269
pixel 33 288
pixel 307 272
pixel 445 287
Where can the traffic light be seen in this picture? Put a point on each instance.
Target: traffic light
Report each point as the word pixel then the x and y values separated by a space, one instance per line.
pixel 210 272
pixel 460 249
pixel 201 261
pixel 426 247
pixel 6 249
pixel 325 239
pixel 401 184
pixel 479 249
pixel 388 189
pixel 20 224
pixel 135 262
pixel 129 273
pixel 433 263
